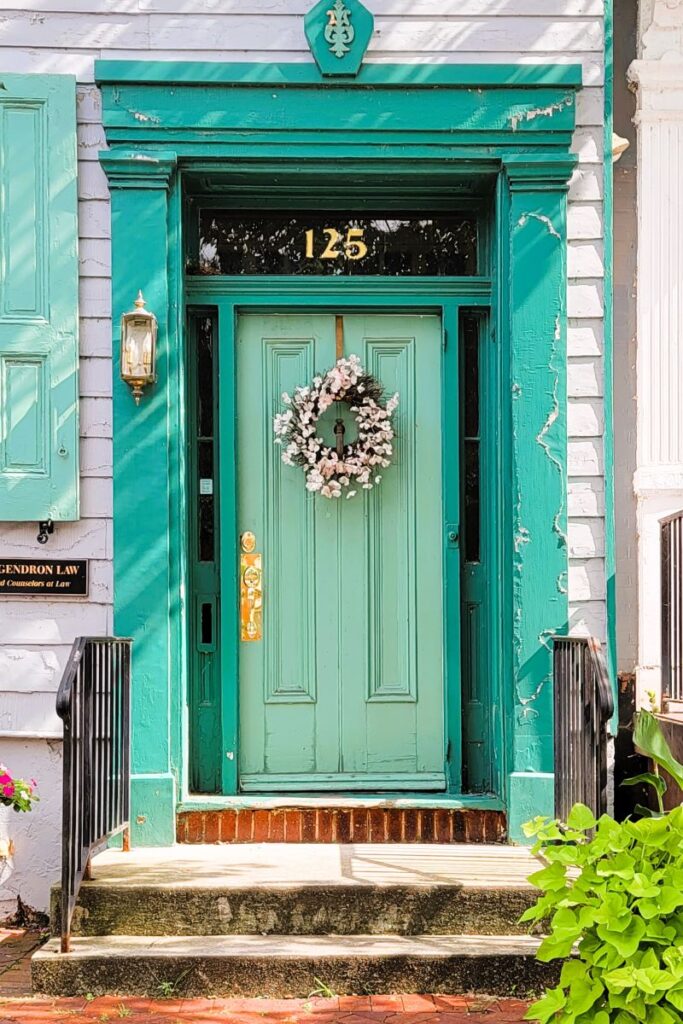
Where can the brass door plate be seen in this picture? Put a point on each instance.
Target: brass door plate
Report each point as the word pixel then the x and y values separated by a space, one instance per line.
pixel 251 596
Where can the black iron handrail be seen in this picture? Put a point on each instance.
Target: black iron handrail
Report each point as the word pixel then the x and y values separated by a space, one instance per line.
pixel 672 607
pixel 584 704
pixel 93 702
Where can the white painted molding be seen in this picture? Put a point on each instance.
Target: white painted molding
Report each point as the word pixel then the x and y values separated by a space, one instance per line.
pixel 665 32
pixel 660 479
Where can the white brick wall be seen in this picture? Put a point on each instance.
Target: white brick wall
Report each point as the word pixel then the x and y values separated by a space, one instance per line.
pixel 68 35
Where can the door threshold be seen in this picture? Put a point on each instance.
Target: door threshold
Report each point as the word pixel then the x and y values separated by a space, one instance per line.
pixel 402 801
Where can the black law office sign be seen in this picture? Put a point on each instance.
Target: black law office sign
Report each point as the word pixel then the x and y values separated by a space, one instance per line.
pixel 47 577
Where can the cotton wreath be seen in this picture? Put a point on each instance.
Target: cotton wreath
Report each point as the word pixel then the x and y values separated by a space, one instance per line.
pixel 295 429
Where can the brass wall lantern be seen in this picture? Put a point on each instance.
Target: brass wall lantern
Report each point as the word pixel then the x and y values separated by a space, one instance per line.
pixel 138 348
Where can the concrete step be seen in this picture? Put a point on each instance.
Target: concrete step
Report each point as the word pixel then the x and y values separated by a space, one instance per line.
pixel 306 890
pixel 279 966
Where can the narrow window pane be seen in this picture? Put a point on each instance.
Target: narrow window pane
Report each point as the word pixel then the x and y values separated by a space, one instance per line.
pixel 206 502
pixel 471 399
pixel 205 397
pixel 472 502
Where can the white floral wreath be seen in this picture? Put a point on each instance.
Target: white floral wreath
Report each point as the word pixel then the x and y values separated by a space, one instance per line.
pixel 328 472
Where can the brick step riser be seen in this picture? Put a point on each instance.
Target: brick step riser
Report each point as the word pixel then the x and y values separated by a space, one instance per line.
pixel 278 978
pixel 342 825
pixel 315 910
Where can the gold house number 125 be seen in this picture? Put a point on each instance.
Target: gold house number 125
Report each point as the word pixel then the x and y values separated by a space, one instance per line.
pixel 350 246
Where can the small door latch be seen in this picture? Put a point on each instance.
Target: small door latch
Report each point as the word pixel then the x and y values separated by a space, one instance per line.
pixel 452 535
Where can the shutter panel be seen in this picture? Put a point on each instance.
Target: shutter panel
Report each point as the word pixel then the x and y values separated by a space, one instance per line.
pixel 38 298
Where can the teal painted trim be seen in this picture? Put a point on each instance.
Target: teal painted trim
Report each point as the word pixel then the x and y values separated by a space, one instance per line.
pixel 370 800
pixel 452 603
pixel 503 598
pixel 177 469
pixel 537 325
pixel 417 76
pixel 530 794
pixel 152 797
pixel 143 556
pixel 328 289
pixel 228 534
pixel 484 106
pixel 608 357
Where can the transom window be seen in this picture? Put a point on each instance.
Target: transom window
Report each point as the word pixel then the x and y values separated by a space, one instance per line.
pixel 336 242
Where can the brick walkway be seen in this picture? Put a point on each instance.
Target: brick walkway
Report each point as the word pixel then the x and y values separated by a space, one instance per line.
pixel 16 1006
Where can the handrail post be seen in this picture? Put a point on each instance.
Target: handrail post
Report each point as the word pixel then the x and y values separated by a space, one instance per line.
pixel 583 704
pixel 93 702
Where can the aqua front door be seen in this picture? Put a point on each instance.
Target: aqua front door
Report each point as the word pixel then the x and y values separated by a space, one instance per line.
pixel 345 687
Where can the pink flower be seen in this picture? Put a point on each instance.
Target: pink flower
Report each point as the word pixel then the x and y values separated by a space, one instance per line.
pixel 5 778
pixel 8 789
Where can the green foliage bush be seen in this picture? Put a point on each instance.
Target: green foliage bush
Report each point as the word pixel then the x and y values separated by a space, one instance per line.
pixel 616 890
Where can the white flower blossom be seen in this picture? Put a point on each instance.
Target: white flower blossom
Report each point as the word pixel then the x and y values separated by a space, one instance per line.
pixel 295 430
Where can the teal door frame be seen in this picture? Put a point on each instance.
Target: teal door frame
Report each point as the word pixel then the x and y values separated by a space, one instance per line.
pixel 397 129
pixel 230 297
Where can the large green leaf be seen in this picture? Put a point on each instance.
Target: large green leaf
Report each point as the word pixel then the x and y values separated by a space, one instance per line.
pixel 649 739
pixel 552 1002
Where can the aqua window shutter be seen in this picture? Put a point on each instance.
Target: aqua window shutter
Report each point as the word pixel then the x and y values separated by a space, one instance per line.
pixel 39 455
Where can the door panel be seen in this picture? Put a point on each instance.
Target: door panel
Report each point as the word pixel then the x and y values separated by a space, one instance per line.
pixel 346 686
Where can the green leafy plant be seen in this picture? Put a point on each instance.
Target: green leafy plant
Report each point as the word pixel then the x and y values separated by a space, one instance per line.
pixel 649 739
pixel 613 895
pixel 322 989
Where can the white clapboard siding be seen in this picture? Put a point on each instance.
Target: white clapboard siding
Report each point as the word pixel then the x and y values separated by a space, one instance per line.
pixel 585 417
pixel 584 221
pixel 586 579
pixel 33 669
pixel 590 107
pixel 585 259
pixel 584 378
pixel 285 33
pixel 586 538
pixel 95 377
pixel 94 218
pixel 97 498
pixel 96 336
pixel 588 617
pixel 585 457
pixel 35 621
pixel 95 417
pixel 96 456
pixel 70 540
pixel 585 338
pixel 94 258
pixel 586 184
pixel 585 498
pixel 92 181
pixel 90 140
pixel 94 296
pixel 416 8
pixel 588 144
pixel 31 714
pixel 585 299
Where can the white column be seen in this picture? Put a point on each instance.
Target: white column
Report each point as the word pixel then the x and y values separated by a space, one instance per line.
pixel 658 481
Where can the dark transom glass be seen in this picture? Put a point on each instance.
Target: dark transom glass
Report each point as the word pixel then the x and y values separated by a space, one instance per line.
pixel 249 242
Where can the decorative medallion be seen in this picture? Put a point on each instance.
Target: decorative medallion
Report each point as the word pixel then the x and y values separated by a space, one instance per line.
pixel 332 470
pixel 338 33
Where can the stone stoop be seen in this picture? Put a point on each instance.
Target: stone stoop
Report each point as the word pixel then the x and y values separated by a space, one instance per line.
pixel 279 920
pixel 341 824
